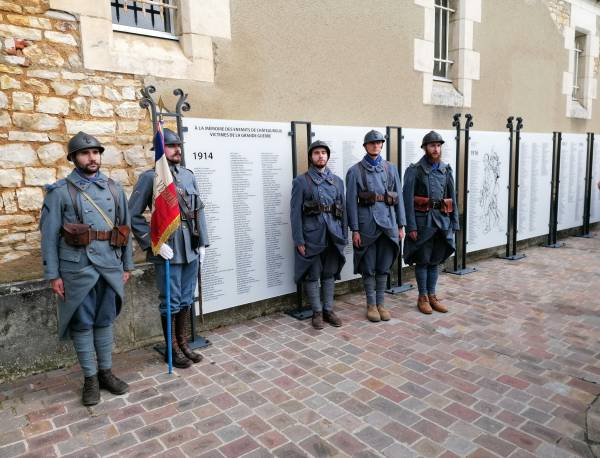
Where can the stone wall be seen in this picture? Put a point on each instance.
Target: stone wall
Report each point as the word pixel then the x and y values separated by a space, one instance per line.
pixel 560 11
pixel 46 96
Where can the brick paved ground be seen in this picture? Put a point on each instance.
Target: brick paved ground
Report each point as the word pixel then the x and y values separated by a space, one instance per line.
pixel 509 372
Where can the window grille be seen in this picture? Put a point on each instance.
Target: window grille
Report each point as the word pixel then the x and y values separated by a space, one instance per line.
pixel 152 15
pixel 578 70
pixel 441 63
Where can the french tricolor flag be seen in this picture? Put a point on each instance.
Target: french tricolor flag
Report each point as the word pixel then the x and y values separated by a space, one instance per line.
pixel 165 209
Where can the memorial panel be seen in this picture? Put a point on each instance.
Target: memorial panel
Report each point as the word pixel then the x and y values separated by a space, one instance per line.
pixel 535 185
pixel 244 172
pixel 595 197
pixel 487 200
pixel 571 193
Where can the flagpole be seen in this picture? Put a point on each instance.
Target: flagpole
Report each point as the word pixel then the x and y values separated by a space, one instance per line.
pixel 168 300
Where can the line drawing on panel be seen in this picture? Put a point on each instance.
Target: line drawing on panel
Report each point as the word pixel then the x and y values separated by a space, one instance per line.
pixel 489 192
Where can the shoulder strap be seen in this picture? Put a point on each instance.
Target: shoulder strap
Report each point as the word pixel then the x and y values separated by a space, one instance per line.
pixel 386 166
pixel 73 193
pixel 363 174
pixel 113 190
pixel 420 176
pixel 310 183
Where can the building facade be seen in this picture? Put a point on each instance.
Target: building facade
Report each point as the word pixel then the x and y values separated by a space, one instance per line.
pixel 68 65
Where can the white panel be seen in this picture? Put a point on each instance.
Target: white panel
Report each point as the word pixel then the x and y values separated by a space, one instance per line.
pixel 346 144
pixel 571 192
pixel 535 181
pixel 244 171
pixel 487 200
pixel 595 196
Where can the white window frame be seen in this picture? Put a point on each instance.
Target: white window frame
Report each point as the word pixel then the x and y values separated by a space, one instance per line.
pixel 457 89
pixel 190 57
pixel 582 41
pixel 578 51
pixel 149 32
pixel 443 9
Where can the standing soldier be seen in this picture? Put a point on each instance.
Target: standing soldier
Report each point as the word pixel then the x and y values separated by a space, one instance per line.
pixel 185 249
pixel 376 219
pixel 320 232
pixel 86 250
pixel 432 218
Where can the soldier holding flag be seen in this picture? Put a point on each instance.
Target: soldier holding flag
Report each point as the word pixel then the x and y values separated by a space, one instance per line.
pixel 175 239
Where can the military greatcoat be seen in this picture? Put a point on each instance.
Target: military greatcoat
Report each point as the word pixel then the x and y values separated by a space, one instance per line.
pixel 315 231
pixel 380 218
pixel 81 267
pixel 184 250
pixel 435 242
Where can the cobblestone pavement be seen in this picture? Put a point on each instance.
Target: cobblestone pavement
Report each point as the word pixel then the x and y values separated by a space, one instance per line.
pixel 510 371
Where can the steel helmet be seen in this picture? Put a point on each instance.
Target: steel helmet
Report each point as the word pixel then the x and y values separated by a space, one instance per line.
pixel 80 142
pixel 432 137
pixel 373 136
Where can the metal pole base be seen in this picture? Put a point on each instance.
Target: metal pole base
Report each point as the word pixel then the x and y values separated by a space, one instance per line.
pixel 301 313
pixel 554 245
pixel 400 288
pixel 465 271
pixel 513 257
pixel 585 236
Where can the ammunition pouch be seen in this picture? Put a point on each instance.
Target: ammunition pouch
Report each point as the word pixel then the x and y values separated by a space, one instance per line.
pixel 119 236
pixel 367 198
pixel 338 210
pixel 311 208
pixel 447 206
pixel 390 198
pixel 76 234
pixel 422 203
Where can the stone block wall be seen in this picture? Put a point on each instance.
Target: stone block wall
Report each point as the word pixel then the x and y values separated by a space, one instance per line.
pixel 46 96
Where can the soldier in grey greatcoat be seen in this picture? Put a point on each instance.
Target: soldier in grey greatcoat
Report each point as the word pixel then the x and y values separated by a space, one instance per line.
pixel 320 232
pixel 432 217
pixel 86 250
pixel 185 249
pixel 376 219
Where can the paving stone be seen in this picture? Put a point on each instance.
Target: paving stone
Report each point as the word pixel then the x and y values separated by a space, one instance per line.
pixel 507 372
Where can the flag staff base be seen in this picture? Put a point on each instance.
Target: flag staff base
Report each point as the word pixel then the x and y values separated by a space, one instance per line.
pixel 399 289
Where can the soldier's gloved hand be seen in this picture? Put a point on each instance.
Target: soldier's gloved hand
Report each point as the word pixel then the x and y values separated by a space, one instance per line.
pixel 166 251
pixel 201 254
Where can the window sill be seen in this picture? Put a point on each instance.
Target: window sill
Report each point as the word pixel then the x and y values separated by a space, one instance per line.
pixel 578 111
pixel 444 94
pixel 144 32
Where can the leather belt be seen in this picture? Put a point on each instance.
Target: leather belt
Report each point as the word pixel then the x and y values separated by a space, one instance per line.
pixel 435 204
pixel 100 235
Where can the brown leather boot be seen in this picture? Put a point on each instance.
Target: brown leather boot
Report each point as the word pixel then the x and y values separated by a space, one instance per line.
pixel 317 320
pixel 436 304
pixel 183 329
pixel 373 313
pixel 179 359
pixel 384 313
pixel 423 305
pixel 330 317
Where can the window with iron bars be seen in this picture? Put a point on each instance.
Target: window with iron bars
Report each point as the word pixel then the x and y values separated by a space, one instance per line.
pixel 146 17
pixel 441 63
pixel 578 67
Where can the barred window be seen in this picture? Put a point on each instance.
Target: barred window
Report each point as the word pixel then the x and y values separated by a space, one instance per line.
pixel 578 67
pixel 147 17
pixel 441 63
